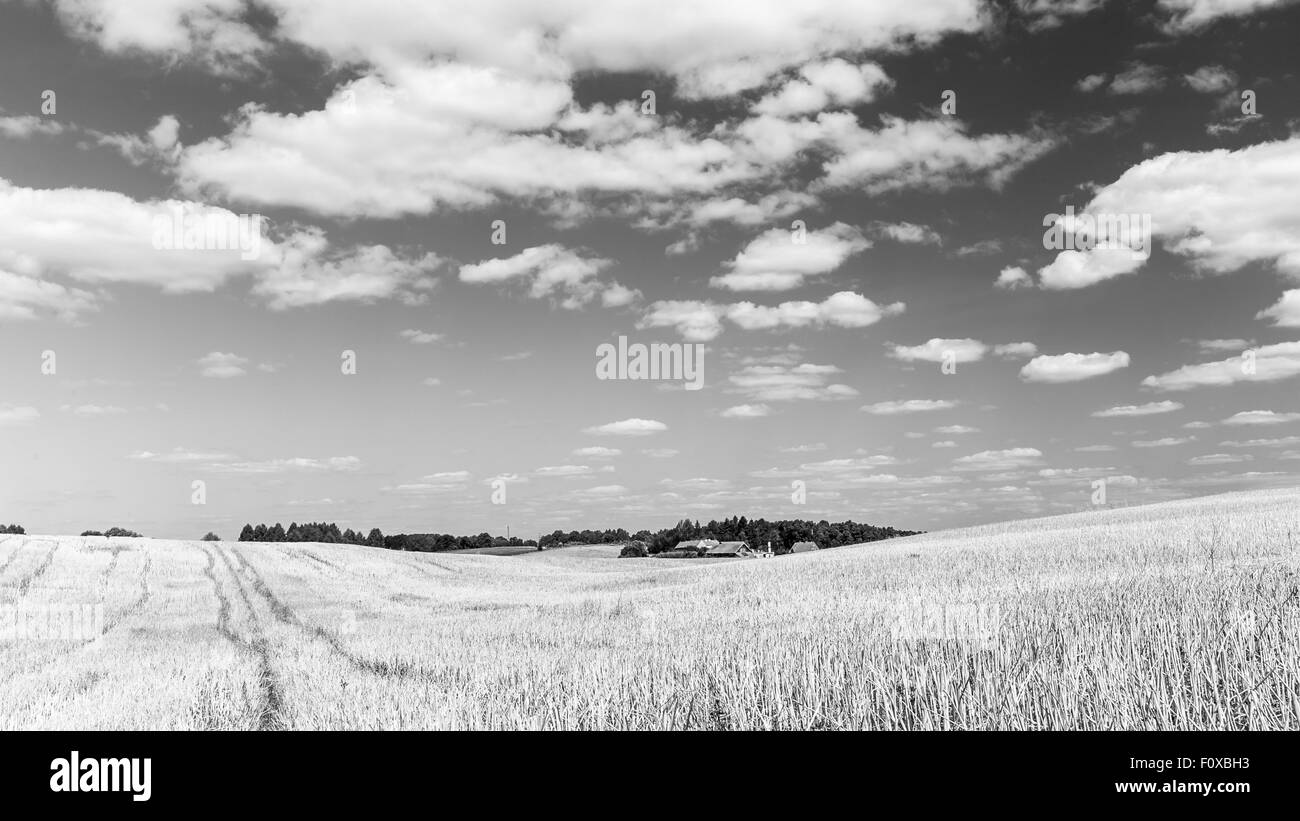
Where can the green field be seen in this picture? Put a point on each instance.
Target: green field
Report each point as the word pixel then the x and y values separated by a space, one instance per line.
pixel 1180 615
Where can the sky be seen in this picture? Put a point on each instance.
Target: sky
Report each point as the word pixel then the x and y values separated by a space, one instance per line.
pixel 424 228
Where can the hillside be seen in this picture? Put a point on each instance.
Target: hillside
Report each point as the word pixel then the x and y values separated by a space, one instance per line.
pixel 1181 615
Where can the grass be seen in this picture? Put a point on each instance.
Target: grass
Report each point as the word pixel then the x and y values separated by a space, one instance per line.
pixel 1182 615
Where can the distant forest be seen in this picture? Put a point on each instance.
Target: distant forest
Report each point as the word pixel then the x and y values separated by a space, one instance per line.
pixel 782 535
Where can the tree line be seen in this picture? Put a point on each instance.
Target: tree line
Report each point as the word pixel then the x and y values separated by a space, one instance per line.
pixel 329 533
pixel 781 534
pixel 13 529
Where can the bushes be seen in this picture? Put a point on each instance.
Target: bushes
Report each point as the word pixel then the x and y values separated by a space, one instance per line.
pixel 16 530
pixel 91 533
pixel 114 531
pixel 211 537
pixel 633 550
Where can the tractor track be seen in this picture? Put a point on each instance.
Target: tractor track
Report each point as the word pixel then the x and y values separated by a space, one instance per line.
pixel 271 714
pixel 385 669
pixel 26 581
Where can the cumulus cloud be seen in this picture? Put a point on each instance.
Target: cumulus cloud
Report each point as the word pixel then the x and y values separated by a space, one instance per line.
pixel 1261 417
pixel 780 260
pixel 100 237
pixel 1244 212
pixel 1013 277
pixel 1072 367
pixel 895 407
pixel 783 383
pixel 1000 460
pixel 628 427
pixel 746 411
pixel 702 321
pixel 940 350
pixel 1015 350
pixel 1148 409
pixel 552 271
pixel 18 415
pixel 1210 79
pixel 1268 363
pixel 825 84
pixel 218 365
pixel 1286 312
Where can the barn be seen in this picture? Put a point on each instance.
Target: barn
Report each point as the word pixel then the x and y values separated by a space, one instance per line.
pixel 804 547
pixel 731 549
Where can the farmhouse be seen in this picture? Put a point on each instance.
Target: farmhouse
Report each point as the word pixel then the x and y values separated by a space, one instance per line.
pixel 803 547
pixel 696 544
pixel 731 549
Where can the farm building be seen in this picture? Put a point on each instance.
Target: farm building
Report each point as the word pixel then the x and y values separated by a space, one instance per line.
pixel 696 544
pixel 725 549
pixel 804 547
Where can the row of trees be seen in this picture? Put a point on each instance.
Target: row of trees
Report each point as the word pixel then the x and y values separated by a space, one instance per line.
pixel 613 536
pixel 14 529
pixel 114 531
pixel 782 534
pixel 329 533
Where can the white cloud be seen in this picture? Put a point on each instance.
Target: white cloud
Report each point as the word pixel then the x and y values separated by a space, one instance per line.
pixel 218 365
pixel 1270 363
pixel 27 297
pixel 99 237
pixel 1210 79
pixel 1148 409
pixel 746 411
pixel 1218 345
pixel 774 261
pixel 1138 78
pixel 1166 442
pixel 1009 459
pixel 1286 313
pixel 908 406
pixel 702 321
pixel 908 233
pixel 93 410
pixel 598 452
pixel 767 382
pixel 1220 459
pixel 1015 350
pixel 940 350
pixel 331 464
pixel 181 456
pixel 1072 367
pixel 1281 442
pixel 1261 417
pixel 18 414
pixel 420 337
pixel 1188 15
pixel 1244 211
pixel 1013 277
pixel 552 270
pixel 825 84
pixel 628 427
pixel 952 430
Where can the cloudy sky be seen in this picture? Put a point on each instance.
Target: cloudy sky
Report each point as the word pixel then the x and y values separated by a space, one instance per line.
pixel 851 206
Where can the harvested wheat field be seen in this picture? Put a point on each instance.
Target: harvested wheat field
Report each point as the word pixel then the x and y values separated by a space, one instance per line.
pixel 1183 615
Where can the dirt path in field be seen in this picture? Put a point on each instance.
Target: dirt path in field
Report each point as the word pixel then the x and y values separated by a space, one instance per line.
pixel 270 715
pixel 26 581
pixel 286 616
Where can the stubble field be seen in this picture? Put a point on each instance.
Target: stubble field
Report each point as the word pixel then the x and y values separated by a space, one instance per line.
pixel 1184 615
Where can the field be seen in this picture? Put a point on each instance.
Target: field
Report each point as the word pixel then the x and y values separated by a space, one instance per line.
pixel 1182 615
